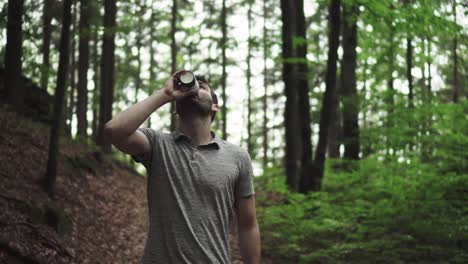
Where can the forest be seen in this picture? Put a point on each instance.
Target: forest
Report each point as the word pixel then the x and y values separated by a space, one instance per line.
pixel 354 114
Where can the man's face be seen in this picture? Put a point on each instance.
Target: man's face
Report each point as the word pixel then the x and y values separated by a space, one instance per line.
pixel 201 103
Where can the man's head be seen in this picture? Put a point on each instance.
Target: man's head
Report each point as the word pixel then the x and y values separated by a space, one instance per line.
pixel 204 103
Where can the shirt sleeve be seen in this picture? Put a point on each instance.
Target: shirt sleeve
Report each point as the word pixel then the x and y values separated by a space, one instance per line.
pixel 145 158
pixel 245 185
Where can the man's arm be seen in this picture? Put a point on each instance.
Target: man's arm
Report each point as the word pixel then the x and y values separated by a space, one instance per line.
pixel 122 131
pixel 249 232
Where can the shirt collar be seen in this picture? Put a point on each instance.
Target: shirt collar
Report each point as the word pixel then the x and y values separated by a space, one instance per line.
pixel 177 135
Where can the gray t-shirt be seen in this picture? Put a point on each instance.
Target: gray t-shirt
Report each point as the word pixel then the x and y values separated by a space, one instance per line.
pixel 191 197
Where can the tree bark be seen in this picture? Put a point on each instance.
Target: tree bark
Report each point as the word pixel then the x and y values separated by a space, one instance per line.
pixel 249 75
pixel 83 65
pixel 350 98
pixel 70 105
pixel 409 66
pixel 327 102
pixel 173 55
pixel 13 52
pixel 291 115
pixel 51 172
pixel 303 99
pixel 95 59
pixel 223 65
pixel 107 71
pixel 456 87
pixel 45 49
pixel 265 88
pixel 336 126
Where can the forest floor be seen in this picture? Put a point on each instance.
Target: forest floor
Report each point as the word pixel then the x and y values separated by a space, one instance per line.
pixel 100 215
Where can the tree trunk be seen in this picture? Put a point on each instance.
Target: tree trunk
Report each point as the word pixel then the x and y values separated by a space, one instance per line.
pixel 327 102
pixel 223 76
pixel 70 110
pixel 139 36
pixel 390 97
pixel 291 114
pixel 13 52
pixel 350 98
pixel 335 127
pixel 303 99
pixel 265 88
pixel 107 71
pixel 409 66
pixel 51 172
pixel 456 88
pixel 152 51
pixel 45 49
pixel 95 57
pixel 173 55
pixel 429 74
pixel 249 87
pixel 83 65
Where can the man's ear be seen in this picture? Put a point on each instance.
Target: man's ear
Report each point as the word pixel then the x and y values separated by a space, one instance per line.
pixel 215 108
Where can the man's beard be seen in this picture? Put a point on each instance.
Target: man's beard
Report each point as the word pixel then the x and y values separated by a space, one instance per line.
pixel 190 106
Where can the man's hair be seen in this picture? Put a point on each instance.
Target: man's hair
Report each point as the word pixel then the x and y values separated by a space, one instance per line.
pixel 201 78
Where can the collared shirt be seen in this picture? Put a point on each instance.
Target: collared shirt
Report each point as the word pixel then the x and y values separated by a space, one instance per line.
pixel 191 197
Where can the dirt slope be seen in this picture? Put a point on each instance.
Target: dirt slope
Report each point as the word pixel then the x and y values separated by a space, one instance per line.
pixel 102 212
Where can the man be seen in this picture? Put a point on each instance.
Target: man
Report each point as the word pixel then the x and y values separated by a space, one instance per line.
pixel 196 181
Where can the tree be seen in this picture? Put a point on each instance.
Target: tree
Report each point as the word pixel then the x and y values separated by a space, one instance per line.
pixel 291 113
pixel 46 35
pixel 249 75
pixel 303 95
pixel 349 94
pixel 83 65
pixel 13 52
pixel 173 52
pixel 107 71
pixel 224 74
pixel 409 59
pixel 315 180
pixel 456 86
pixel 95 61
pixel 51 172
pixel 265 87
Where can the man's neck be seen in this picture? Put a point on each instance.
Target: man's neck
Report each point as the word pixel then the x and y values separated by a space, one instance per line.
pixel 197 129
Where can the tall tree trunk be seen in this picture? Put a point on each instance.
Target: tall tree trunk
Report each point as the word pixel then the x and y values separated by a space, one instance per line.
pixel 429 74
pixel 390 99
pixel 13 52
pixel 70 110
pixel 223 65
pixel 107 71
pixel 265 88
pixel 409 66
pixel 350 98
pixel 45 49
pixel 303 99
pixel 335 127
pixel 173 55
pixel 456 87
pixel 327 102
pixel 139 36
pixel 291 115
pixel 51 172
pixel 96 17
pixel 249 87
pixel 152 51
pixel 83 65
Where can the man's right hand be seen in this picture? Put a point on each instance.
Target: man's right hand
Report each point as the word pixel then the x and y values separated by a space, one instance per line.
pixel 173 93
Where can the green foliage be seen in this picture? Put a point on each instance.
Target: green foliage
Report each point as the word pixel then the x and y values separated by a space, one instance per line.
pixel 400 208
